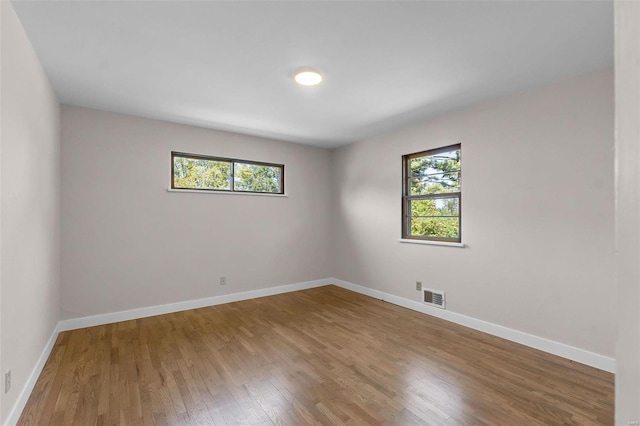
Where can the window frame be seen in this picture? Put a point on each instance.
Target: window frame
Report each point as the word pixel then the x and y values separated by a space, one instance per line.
pixel 232 162
pixel 407 197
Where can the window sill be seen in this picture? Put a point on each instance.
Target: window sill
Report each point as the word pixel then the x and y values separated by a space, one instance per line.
pixel 431 243
pixel 199 191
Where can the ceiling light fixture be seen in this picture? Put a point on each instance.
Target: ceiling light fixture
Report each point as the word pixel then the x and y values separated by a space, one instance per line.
pixel 307 77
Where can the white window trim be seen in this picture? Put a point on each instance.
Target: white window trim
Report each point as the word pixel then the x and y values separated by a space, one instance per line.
pixel 431 243
pixel 200 191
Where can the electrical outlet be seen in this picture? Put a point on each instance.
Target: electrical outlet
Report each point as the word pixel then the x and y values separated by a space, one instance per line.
pixel 7 381
pixel 419 285
pixel 223 280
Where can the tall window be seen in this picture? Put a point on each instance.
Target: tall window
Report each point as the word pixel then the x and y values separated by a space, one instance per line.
pixel 431 195
pixel 191 171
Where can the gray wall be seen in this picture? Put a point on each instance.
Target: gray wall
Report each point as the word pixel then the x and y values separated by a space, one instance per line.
pixel 30 207
pixel 628 211
pixel 128 243
pixel 537 209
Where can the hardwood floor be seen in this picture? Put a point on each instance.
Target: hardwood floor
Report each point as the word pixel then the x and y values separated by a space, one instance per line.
pixel 319 356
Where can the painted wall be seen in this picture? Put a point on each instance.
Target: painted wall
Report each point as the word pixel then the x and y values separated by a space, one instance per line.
pixel 538 213
pixel 1 121
pixel 30 204
pixel 129 243
pixel 627 41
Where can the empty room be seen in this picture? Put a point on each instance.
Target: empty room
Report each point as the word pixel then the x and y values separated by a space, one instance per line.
pixel 320 212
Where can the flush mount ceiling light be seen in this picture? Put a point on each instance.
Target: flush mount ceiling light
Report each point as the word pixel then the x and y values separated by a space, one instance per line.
pixel 307 77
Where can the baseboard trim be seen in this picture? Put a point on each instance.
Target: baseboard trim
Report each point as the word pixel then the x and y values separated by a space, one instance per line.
pixel 91 321
pixel 25 393
pixel 569 352
pixel 75 323
pixel 556 348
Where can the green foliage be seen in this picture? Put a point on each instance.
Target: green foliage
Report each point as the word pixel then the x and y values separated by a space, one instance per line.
pixel 435 215
pixel 435 174
pixel 432 217
pixel 256 178
pixel 201 174
pixel 195 173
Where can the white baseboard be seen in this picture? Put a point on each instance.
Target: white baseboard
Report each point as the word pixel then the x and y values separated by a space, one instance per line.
pixel 556 348
pixel 569 352
pixel 75 323
pixel 25 392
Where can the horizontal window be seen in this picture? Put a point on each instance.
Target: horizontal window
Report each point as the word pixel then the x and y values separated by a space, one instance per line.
pixel 191 171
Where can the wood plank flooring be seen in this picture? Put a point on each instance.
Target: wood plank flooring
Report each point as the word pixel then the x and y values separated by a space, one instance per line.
pixel 321 356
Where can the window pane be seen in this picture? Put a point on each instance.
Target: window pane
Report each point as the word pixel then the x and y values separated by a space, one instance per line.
pixel 435 227
pixel 436 217
pixel 448 206
pixel 195 173
pixel 436 183
pixel 257 178
pixel 435 174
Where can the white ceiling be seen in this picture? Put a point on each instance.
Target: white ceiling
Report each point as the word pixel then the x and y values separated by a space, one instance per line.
pixel 228 65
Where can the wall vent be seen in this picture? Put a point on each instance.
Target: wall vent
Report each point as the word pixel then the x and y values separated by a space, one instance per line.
pixel 433 298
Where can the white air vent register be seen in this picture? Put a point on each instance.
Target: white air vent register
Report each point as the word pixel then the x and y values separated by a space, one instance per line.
pixel 433 298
